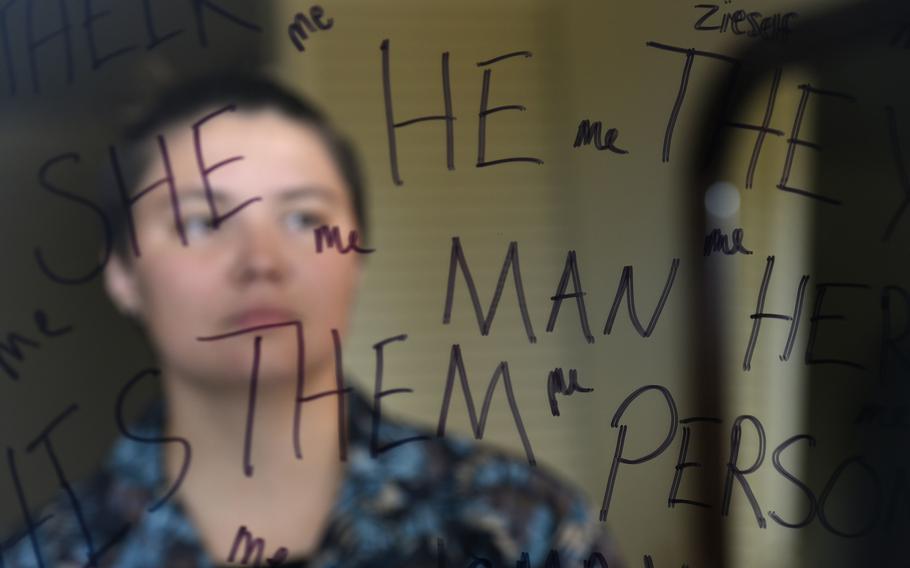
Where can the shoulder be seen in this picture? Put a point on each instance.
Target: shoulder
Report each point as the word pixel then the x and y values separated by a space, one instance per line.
pixel 491 504
pixel 522 508
pixel 91 521
pixel 69 528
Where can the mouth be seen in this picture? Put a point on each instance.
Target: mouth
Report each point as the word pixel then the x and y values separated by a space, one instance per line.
pixel 260 316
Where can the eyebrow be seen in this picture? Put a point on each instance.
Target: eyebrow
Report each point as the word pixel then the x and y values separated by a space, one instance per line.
pixel 198 195
pixel 164 205
pixel 307 192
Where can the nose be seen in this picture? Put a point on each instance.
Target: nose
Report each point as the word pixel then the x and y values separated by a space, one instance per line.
pixel 261 256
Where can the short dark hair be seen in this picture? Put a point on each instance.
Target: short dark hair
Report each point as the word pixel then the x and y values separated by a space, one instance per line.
pixel 249 92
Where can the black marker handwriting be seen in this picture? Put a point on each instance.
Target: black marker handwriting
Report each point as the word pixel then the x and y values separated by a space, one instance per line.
pixel 760 315
pixel 125 431
pixel 456 364
pixel 254 547
pixel 717 241
pixel 765 27
pixel 448 117
pixel 762 129
pixel 128 199
pixel 391 125
pixel 312 24
pixel 903 177
pixel 12 346
pixel 41 45
pixel 330 237
pixel 97 211
pixel 556 384
pixel 690 54
pixel 340 391
pixel 795 141
pixel 570 272
pixel 588 132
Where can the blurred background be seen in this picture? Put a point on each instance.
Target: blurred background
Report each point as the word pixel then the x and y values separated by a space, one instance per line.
pixel 711 118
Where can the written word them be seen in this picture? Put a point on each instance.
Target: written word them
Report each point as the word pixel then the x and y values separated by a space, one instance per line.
pixel 885 490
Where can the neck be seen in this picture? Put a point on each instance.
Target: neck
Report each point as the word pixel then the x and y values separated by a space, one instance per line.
pixel 245 470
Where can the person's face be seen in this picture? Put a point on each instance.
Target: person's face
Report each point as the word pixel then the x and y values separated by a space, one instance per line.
pixel 258 267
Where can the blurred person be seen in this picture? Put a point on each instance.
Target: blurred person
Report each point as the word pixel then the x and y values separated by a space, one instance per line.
pixel 230 258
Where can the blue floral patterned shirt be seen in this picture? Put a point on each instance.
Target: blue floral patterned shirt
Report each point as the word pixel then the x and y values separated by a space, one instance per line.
pixel 437 502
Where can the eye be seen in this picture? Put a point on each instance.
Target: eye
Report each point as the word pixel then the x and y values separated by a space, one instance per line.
pixel 303 220
pixel 196 227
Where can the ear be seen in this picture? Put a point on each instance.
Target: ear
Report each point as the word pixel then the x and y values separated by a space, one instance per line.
pixel 121 286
